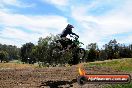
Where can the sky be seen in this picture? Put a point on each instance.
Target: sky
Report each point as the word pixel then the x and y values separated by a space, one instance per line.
pixel 23 21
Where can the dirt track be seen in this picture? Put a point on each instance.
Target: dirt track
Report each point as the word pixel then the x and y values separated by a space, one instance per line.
pixel 53 77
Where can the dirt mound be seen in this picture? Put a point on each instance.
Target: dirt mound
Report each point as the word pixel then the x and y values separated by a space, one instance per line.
pixel 52 77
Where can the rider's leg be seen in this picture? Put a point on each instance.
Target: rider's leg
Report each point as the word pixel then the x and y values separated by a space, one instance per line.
pixel 63 39
pixel 67 43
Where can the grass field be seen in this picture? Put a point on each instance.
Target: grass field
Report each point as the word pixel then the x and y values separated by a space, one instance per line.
pixel 124 64
pixel 15 65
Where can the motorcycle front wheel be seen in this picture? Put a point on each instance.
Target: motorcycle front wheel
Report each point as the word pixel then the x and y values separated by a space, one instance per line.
pixel 81 54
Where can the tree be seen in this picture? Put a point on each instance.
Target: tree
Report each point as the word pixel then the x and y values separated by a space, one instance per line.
pixel 125 51
pixel 112 49
pixel 103 55
pixel 13 51
pixel 92 46
pixel 26 53
pixel 93 53
pixel 44 48
pixel 4 56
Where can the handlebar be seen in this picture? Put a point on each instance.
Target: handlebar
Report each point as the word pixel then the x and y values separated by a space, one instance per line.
pixel 74 37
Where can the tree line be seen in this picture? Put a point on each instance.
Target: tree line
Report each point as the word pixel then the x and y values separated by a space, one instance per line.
pixel 9 52
pixel 111 50
pixel 30 53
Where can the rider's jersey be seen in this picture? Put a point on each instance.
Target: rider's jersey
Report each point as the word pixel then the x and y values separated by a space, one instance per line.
pixel 66 32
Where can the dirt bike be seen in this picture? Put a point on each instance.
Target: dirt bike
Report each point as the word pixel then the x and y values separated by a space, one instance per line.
pixel 61 46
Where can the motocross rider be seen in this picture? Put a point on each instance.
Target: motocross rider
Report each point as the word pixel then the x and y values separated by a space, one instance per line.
pixel 68 31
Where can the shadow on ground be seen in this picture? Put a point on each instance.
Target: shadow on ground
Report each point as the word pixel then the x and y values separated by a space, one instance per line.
pixel 56 84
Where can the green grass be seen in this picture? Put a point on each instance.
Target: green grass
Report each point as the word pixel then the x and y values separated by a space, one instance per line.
pixel 118 64
pixel 124 64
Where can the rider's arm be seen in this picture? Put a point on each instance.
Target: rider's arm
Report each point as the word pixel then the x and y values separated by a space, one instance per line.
pixel 75 34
